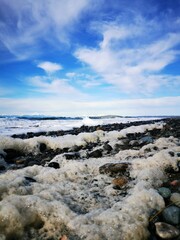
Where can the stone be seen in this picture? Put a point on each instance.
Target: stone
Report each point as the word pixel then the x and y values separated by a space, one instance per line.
pixel 120 181
pixel 166 231
pixel 171 215
pixel 146 140
pixel 42 147
pixel 96 153
pixel 113 168
pixel 71 155
pixel 107 147
pixel 175 198
pixel 11 154
pixel 2 168
pixel 164 192
pixel 54 165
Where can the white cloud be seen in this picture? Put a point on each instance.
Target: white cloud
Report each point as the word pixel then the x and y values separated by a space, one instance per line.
pixel 71 74
pixel 25 23
pixel 58 87
pixel 49 67
pixel 58 106
pixel 135 67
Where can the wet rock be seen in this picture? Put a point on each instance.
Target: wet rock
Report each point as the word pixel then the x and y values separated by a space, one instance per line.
pixel 113 168
pixel 171 215
pixel 164 192
pixel 166 231
pixel 32 163
pixel 175 198
pixel 20 161
pixel 120 181
pixel 96 153
pixel 171 153
pixel 29 179
pixel 71 155
pixel 54 165
pixel 42 147
pixel 2 168
pixel 107 147
pixel 146 140
pixel 11 154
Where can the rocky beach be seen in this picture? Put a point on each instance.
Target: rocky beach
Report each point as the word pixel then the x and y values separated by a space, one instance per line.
pixel 116 181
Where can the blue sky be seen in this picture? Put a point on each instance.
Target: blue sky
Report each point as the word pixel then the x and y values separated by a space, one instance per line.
pixel 87 57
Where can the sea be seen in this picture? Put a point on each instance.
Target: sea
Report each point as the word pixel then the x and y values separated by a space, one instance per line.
pixel 10 125
pixel 76 201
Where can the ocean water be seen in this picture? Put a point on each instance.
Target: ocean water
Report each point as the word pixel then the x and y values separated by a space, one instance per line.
pixel 76 200
pixel 10 125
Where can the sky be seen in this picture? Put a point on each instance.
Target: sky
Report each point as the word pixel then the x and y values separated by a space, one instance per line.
pixel 90 57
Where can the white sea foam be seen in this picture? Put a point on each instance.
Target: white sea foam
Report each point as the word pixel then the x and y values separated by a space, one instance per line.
pixel 78 201
pixel 12 125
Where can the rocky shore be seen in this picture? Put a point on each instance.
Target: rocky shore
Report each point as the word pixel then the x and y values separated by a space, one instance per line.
pixel 163 223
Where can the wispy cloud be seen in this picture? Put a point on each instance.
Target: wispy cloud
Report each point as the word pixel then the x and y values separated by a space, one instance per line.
pixel 54 106
pixel 25 23
pixel 49 67
pixel 136 66
pixel 54 86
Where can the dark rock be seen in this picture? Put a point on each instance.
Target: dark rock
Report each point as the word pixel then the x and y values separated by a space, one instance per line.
pixel 113 168
pixel 32 163
pixel 42 147
pixel 164 192
pixel 2 168
pixel 171 153
pixel 71 155
pixel 11 154
pixel 96 153
pixel 171 215
pixel 29 179
pixel 107 147
pixel 54 165
pixel 120 181
pixel 166 231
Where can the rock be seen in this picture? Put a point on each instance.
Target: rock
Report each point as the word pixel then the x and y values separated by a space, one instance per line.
pixel 107 147
pixel 146 140
pixel 2 168
pixel 120 181
pixel 54 165
pixel 164 192
pixel 171 153
pixel 175 198
pixel 42 147
pixel 166 231
pixel 171 215
pixel 29 179
pixel 71 155
pixel 11 154
pixel 96 153
pixel 20 161
pixel 113 168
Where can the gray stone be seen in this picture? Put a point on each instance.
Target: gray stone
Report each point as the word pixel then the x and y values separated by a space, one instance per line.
pixel 164 192
pixel 175 198
pixel 166 231
pixel 113 168
pixel 146 140
pixel 171 215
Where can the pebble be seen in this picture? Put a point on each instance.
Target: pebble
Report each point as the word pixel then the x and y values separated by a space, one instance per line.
pixel 171 215
pixel 164 192
pixel 113 168
pixel 166 231
pixel 120 182
pixel 175 198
